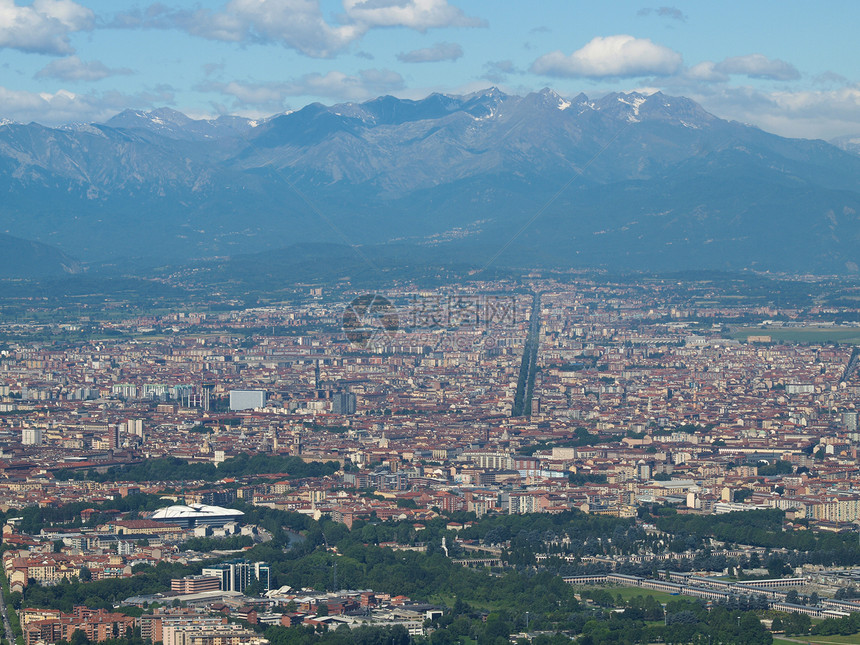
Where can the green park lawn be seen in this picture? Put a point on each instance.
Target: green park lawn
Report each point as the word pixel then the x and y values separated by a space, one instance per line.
pixel 631 592
pixel 815 640
pixel 802 334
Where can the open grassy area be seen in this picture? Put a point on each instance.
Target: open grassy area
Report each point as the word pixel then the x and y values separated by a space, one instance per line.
pixel 847 335
pixel 631 592
pixel 819 640
pixel 449 600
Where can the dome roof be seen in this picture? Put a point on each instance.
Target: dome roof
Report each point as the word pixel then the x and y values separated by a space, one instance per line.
pixel 194 511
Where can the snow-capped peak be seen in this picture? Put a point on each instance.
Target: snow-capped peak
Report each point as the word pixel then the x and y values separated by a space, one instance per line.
pixel 552 98
pixel 634 103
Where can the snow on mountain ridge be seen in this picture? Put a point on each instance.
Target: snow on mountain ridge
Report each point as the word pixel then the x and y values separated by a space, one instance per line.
pixel 635 104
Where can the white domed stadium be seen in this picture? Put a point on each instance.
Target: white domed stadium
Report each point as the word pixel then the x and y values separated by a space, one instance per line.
pixel 196 515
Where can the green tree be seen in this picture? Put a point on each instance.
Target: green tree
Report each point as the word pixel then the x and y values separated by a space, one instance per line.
pixel 79 637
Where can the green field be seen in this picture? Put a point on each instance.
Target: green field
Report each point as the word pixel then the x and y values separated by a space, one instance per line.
pixel 449 600
pixel 854 639
pixel 631 592
pixel 847 335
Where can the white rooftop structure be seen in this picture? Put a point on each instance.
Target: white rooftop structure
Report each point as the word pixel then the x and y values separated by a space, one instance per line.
pixel 197 514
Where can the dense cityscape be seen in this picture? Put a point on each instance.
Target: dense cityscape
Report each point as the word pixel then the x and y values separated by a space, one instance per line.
pixel 429 322
pixel 284 472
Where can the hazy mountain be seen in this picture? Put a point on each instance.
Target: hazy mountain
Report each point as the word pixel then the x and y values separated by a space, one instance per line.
pixel 175 125
pixel 628 180
pixel 850 143
pixel 27 259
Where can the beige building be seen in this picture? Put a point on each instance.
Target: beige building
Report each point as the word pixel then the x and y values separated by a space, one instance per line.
pixel 210 635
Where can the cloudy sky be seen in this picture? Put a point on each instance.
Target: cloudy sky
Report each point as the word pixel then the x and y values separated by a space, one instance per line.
pixel 789 67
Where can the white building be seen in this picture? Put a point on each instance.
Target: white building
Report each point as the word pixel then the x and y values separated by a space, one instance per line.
pixel 31 436
pixel 247 399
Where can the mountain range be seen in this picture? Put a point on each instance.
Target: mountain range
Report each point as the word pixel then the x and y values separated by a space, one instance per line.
pixel 627 181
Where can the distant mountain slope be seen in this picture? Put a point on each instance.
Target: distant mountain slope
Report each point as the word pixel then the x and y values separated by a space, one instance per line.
pixel 628 180
pixel 26 259
pixel 849 143
pixel 175 125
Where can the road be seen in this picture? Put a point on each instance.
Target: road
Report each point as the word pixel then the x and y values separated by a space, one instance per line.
pixel 852 365
pixel 526 382
pixel 10 636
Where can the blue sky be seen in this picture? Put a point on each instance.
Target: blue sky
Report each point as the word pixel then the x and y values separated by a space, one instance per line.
pixel 787 67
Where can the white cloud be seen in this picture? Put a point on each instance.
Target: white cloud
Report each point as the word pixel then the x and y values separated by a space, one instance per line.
pixel 498 71
pixel 706 71
pixel 368 83
pixel 438 52
pixel 297 24
pixel 612 56
pixel 755 66
pixel 64 106
pixel 270 95
pixel 44 26
pixel 74 69
pixel 759 66
pixel 829 78
pixel 420 15
pixel 806 113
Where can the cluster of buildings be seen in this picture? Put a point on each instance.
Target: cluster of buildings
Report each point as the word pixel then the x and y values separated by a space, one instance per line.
pixel 112 549
pixel 286 607
pixel 52 625
pixel 642 392
pixel 658 392
pixel 49 626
